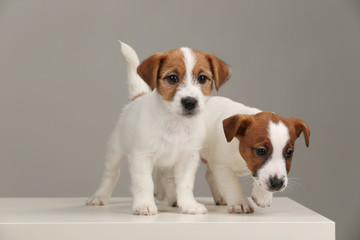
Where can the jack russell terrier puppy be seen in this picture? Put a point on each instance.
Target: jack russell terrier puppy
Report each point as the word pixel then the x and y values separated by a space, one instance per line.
pixel 241 141
pixel 162 129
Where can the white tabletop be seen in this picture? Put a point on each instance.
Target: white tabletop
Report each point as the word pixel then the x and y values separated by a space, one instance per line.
pixel 69 218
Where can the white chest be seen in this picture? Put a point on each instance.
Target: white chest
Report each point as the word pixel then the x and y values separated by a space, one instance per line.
pixel 176 141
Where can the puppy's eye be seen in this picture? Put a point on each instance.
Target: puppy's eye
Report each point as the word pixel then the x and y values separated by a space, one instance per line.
pixel 172 79
pixel 288 153
pixel 202 79
pixel 260 152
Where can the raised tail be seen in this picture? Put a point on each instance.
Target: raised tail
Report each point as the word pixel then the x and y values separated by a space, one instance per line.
pixel 136 85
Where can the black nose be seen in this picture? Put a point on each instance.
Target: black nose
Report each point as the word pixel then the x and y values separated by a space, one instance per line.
pixel 275 184
pixel 189 103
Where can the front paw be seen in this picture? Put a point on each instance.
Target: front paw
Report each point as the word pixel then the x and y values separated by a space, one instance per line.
pixel 145 209
pixel 193 208
pixel 242 207
pixel 97 200
pixel 220 201
pixel 261 197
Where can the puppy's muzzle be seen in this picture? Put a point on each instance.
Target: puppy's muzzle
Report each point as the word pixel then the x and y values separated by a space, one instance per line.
pixel 189 105
pixel 275 183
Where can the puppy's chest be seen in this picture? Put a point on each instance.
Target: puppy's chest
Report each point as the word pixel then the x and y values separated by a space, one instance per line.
pixel 177 141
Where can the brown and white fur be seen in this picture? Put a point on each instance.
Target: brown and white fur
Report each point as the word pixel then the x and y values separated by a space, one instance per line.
pixel 242 141
pixel 162 128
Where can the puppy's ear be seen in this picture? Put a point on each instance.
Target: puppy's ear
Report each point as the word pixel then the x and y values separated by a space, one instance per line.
pixel 149 69
pixel 300 126
pixel 220 71
pixel 236 125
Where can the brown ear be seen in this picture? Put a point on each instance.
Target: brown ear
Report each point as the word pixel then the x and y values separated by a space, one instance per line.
pixel 301 126
pixel 236 125
pixel 149 69
pixel 220 71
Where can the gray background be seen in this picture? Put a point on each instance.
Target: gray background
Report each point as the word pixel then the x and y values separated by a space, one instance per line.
pixel 63 86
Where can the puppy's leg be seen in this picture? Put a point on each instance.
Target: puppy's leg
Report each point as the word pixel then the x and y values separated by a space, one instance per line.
pixel 159 191
pixel 168 182
pixel 233 191
pixel 185 172
pixel 215 190
pixel 165 187
pixel 142 185
pixel 261 197
pixel 114 159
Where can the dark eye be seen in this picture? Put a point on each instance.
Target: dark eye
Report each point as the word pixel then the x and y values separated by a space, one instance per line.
pixel 260 152
pixel 288 153
pixel 202 79
pixel 172 79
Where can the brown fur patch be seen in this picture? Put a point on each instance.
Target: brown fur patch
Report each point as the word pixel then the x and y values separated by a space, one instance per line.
pixel 203 67
pixel 159 66
pixel 220 70
pixel 173 63
pixel 149 68
pixel 252 132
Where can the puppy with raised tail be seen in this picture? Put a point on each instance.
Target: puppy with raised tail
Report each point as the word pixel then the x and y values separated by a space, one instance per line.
pixel 241 141
pixel 162 128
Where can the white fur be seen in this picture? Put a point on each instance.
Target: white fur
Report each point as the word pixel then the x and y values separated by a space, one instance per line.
pixel 275 165
pixel 153 134
pixel 225 162
pixel 190 61
pixel 260 197
pixel 189 87
pixel 135 83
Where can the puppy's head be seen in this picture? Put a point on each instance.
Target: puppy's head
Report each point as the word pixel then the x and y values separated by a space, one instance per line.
pixel 267 143
pixel 184 78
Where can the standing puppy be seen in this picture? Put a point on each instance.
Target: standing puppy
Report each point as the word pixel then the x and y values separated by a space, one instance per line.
pixel 163 128
pixel 241 141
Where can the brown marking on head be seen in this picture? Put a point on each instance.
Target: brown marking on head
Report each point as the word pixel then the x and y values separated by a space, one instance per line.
pixel 157 69
pixel 202 67
pixel 173 64
pixel 252 133
pixel 221 72
pixel 213 68
pixel 149 69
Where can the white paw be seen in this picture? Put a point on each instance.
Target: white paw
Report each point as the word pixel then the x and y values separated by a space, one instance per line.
pixel 242 207
pixel 146 209
pixel 261 197
pixel 98 200
pixel 220 201
pixel 193 208
pixel 263 201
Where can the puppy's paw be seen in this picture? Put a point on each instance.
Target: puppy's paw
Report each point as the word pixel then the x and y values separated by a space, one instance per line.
pixel 171 199
pixel 220 201
pixel 262 201
pixel 261 197
pixel 97 200
pixel 193 208
pixel 242 207
pixel 146 209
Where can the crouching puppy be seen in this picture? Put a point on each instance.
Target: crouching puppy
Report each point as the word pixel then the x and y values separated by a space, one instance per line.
pixel 241 141
pixel 162 127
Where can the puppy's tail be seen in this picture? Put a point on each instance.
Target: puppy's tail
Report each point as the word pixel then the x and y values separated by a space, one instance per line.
pixel 137 86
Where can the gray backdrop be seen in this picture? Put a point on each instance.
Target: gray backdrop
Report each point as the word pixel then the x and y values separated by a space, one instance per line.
pixel 63 86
